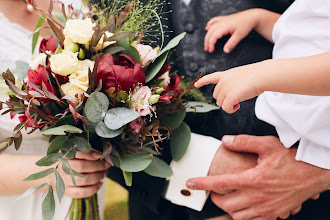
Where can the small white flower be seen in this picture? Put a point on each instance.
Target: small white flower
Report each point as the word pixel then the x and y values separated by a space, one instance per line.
pixel 147 54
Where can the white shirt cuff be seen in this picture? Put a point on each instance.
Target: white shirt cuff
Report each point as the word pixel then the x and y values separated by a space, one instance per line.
pixel 314 154
pixel 195 163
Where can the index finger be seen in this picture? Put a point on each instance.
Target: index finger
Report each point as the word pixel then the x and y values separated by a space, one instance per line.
pixel 88 156
pixel 208 79
pixel 212 21
pixel 224 182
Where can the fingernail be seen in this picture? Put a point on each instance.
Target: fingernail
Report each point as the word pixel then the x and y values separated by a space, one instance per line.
pixel 228 139
pixel 191 185
pixel 226 50
pixel 96 155
pixel 196 84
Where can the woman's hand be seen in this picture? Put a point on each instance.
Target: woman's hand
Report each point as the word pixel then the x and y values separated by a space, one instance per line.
pixel 89 165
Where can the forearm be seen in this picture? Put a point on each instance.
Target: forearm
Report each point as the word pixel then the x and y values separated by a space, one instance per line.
pixel 304 76
pixel 265 21
pixel 15 168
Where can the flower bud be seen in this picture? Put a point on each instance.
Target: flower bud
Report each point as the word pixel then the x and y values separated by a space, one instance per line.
pixel 154 99
pixel 122 96
pixel 81 54
pixel 159 90
pixel 70 45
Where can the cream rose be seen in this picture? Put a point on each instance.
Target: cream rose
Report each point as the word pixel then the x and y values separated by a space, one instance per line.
pixel 64 63
pixel 80 31
pixel 147 54
pixel 101 45
pixel 80 77
pixel 69 89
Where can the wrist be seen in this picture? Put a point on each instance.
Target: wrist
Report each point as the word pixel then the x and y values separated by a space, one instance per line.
pixel 256 14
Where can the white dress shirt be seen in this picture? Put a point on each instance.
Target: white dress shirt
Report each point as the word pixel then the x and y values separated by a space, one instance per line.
pixel 303 30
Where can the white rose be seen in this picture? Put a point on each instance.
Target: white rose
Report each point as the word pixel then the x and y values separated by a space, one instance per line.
pixel 64 63
pixel 70 45
pixel 69 89
pixel 38 60
pixel 101 45
pixel 79 78
pixel 147 54
pixel 167 79
pixel 80 31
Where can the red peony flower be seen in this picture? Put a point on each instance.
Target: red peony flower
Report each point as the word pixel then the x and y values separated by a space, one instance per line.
pixel 48 44
pixel 38 76
pixel 122 74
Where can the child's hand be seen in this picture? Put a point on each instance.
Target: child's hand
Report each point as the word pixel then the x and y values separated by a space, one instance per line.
pixel 238 25
pixel 234 85
pixel 89 165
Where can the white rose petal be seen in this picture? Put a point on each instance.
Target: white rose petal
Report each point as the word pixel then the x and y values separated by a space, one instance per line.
pixel 69 89
pixel 64 63
pixel 147 54
pixel 167 79
pixel 80 31
pixel 38 60
pixel 101 45
pixel 79 78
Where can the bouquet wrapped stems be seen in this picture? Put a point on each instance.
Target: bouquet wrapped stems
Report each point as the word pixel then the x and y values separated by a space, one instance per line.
pixel 85 209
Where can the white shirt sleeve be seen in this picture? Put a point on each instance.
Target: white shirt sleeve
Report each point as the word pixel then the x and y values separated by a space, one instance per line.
pixel 195 163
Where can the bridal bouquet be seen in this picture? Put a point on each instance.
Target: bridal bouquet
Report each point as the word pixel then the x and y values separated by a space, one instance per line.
pixel 96 82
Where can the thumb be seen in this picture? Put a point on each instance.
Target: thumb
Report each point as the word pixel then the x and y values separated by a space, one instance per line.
pixel 208 79
pixel 248 143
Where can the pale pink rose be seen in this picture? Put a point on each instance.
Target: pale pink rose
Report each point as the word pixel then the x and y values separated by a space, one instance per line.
pixel 147 54
pixel 140 101
pixel 136 125
pixel 167 79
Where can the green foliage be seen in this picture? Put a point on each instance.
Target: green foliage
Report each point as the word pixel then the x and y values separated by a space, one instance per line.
pixel 173 120
pixel 59 16
pixel 48 205
pixel 31 191
pixel 103 131
pixel 37 33
pixel 60 187
pixel 22 68
pixel 80 144
pixel 61 130
pixel 159 168
pixel 180 140
pixel 199 107
pixel 96 106
pixel 156 66
pixel 118 117
pixel 136 162
pixel 128 176
pixel 57 144
pixel 49 159
pixel 129 49
pixel 173 43
pixel 67 169
pixel 40 175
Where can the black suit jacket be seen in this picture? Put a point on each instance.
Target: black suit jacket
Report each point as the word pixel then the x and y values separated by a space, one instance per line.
pixel 146 195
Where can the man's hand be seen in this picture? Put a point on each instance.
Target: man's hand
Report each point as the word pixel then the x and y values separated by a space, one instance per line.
pixel 276 187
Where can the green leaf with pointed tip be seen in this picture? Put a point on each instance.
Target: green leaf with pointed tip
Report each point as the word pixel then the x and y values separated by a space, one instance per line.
pixel 173 43
pixel 31 191
pixel 103 131
pixel 48 205
pixel 49 159
pixel 116 118
pixel 156 66
pixel 59 16
pixel 200 107
pixel 159 168
pixel 96 107
pixel 39 175
pixel 128 176
pixel 61 130
pixel 173 120
pixel 179 141
pixel 136 162
pixel 56 144
pixel 60 186
pixel 36 35
pixel 81 144
pixel 130 50
pixel 67 169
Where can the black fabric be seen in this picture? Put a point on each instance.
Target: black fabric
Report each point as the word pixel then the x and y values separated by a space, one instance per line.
pixel 145 199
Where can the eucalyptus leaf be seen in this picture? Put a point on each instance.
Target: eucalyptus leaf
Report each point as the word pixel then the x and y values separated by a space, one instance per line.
pixel 156 66
pixel 81 144
pixel 57 144
pixel 60 186
pixel 174 120
pixel 179 141
pixel 22 68
pixel 116 118
pixel 159 168
pixel 39 175
pixel 130 50
pixel 36 35
pixel 61 130
pixel 49 159
pixel 200 107
pixel 67 169
pixel 128 177
pixel 103 131
pixel 173 43
pixel 96 106
pixel 48 205
pixel 60 16
pixel 31 191
pixel 136 162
